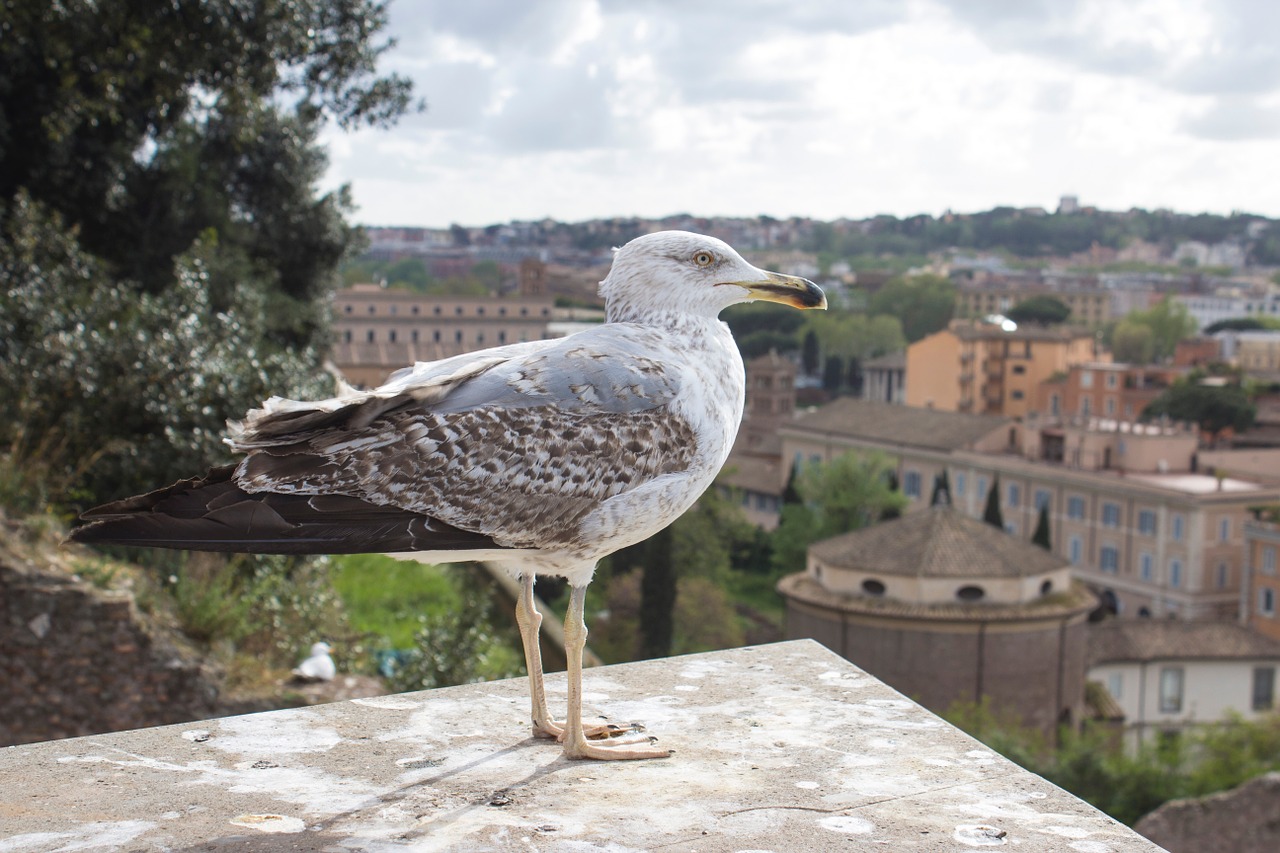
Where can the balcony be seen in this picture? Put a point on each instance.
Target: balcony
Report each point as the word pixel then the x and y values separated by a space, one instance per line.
pixel 781 747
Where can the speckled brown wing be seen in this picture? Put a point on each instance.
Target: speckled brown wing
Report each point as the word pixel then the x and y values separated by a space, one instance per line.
pixel 520 452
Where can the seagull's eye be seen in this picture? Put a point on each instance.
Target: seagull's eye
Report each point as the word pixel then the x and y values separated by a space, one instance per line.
pixel 703 259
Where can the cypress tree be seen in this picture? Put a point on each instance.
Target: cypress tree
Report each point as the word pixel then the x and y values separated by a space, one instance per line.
pixel 941 490
pixel 1041 536
pixel 992 515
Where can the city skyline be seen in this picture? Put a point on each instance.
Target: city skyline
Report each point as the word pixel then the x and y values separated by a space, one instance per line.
pixel 581 109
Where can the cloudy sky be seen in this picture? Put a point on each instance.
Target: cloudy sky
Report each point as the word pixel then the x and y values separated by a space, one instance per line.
pixel 578 109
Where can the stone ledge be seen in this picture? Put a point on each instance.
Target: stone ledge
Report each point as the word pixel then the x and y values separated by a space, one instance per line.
pixel 781 747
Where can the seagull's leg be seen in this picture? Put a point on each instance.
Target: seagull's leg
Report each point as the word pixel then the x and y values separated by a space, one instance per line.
pixel 576 744
pixel 529 621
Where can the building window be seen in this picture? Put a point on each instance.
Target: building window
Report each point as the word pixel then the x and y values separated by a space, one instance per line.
pixel 1177 528
pixel 871 586
pixel 502 336
pixel 415 310
pixel 1110 515
pixel 1171 690
pixel 1109 407
pixel 1075 550
pixel 1147 522
pixel 982 487
pixel 391 336
pixel 1224 530
pixel 1264 688
pixel 347 309
pixel 1016 395
pixel 1115 685
pixel 1086 379
pixel 911 484
pixel 458 310
pixel 457 337
pixel 1267 602
pixel 1075 508
pixel 479 337
pixel 1055 405
pixel 1086 406
pixel 346 336
pixel 414 335
pixel 1042 499
pixel 436 310
pixel 369 336
pixel 1111 380
pixel 1146 565
pixel 1269 560
pixel 1019 369
pixel 371 309
pixel 1014 494
pixel 480 311
pixel 1109 559
pixel 1175 572
pixel 970 593
pixel 962 481
pixel 435 336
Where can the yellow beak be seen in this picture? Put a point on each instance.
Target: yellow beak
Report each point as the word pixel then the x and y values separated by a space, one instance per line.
pixel 787 289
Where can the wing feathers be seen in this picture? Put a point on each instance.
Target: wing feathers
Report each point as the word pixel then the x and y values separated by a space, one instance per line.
pixel 213 514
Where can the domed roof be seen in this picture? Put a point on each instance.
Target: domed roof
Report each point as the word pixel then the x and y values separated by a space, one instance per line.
pixel 938 542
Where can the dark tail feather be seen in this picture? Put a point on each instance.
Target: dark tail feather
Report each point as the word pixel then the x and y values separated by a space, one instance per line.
pixel 212 513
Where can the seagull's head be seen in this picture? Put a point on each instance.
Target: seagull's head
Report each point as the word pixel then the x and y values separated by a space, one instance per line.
pixel 318 649
pixel 695 274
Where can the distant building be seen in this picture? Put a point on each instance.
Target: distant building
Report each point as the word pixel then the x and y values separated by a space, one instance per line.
pixel 980 368
pixel 946 609
pixel 1167 676
pixel 1102 389
pixel 1150 535
pixel 884 379
pixel 753 477
pixel 379 330
pixel 1260 604
pixel 1068 204
pixel 1089 306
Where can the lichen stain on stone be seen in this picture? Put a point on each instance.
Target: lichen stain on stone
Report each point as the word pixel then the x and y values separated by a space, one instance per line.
pixel 273 823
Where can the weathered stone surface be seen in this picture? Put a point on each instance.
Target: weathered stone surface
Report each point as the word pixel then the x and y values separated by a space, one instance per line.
pixel 1245 819
pixel 783 747
pixel 75 659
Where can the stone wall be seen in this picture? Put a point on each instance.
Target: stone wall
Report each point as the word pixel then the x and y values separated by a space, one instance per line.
pixel 76 660
pixel 1242 820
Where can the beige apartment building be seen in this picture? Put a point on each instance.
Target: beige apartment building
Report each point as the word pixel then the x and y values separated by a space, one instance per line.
pixel 379 330
pixel 1259 603
pixel 1090 307
pixel 980 368
pixel 1150 536
pixel 1258 352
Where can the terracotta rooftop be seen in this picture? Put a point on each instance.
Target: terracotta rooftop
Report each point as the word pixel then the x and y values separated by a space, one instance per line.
pixel 896 424
pixel 1128 640
pixel 939 542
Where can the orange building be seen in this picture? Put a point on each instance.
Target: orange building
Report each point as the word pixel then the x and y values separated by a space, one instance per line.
pixel 1102 389
pixel 981 368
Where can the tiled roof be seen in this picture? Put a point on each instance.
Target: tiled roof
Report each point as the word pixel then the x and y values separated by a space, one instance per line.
pixel 1128 640
pixel 894 360
pixel 939 542
pixel 897 424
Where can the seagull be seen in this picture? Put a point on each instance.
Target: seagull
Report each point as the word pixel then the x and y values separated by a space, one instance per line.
pixel 542 457
pixel 318 666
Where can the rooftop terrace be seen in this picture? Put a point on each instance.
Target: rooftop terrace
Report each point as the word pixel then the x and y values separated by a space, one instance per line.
pixel 782 747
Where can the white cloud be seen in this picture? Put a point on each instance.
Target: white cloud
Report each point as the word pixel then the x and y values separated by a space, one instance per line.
pixel 582 108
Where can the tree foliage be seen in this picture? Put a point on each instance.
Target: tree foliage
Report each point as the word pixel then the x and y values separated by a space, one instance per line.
pixel 991 513
pixel 1041 535
pixel 1213 407
pixel 166 250
pixel 1169 323
pixel 1133 343
pixel 1124 784
pixel 1043 310
pixel 847 493
pixel 923 304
